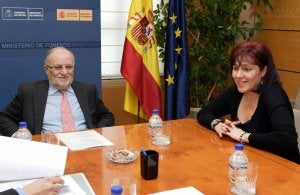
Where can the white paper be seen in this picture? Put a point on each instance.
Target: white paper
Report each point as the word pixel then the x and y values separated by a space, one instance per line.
pixel 187 190
pixel 22 159
pixel 83 183
pixel 70 186
pixel 83 139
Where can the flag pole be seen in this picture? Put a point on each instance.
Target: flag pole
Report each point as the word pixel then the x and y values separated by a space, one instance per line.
pixel 138 114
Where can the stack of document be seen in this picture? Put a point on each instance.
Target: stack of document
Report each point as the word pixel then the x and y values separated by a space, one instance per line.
pixel 22 159
pixel 23 162
pixel 80 140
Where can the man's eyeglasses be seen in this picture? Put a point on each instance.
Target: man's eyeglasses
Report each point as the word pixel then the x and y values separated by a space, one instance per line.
pixel 59 67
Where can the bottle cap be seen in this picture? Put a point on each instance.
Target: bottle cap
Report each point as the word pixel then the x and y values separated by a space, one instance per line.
pixel 116 189
pixel 155 111
pixel 22 124
pixel 239 146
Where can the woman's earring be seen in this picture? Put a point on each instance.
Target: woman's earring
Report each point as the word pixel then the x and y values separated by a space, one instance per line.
pixel 262 81
pixel 260 85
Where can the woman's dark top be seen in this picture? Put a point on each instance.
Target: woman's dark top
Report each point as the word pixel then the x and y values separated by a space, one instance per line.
pixel 271 126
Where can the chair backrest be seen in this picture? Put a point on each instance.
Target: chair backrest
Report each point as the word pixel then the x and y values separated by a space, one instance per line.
pixel 297 100
pixel 297 124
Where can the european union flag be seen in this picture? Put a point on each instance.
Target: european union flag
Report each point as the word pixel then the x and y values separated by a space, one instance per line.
pixel 176 71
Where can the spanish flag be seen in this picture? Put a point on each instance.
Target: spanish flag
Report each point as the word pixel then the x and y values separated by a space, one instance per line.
pixel 140 61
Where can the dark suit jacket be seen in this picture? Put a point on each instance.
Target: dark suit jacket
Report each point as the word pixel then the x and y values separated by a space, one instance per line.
pixel 30 103
pixel 9 192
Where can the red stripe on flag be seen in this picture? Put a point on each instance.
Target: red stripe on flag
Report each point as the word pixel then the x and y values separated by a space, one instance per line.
pixel 140 79
pixel 137 30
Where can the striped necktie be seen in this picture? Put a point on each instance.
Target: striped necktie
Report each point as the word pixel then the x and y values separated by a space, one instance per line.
pixel 66 113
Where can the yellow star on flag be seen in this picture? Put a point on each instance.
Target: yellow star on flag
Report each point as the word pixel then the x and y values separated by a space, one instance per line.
pixel 173 18
pixel 178 50
pixel 177 32
pixel 176 66
pixel 170 80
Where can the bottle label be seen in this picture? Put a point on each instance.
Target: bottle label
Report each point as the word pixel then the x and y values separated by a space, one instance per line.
pixel 155 125
pixel 237 171
pixel 237 166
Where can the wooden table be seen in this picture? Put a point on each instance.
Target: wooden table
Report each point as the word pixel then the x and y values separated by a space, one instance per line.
pixel 196 157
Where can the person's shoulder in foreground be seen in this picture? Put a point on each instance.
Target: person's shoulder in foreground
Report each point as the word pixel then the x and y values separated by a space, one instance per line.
pixel 44 186
pixel 9 192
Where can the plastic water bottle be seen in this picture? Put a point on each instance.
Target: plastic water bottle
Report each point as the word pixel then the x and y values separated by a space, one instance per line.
pixel 116 190
pixel 238 163
pixel 22 132
pixel 155 124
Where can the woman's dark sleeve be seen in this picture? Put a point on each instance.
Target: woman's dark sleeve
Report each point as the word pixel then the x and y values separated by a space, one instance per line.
pixel 281 139
pixel 219 107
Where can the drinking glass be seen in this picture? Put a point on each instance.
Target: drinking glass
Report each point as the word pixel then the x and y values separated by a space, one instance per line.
pixel 247 185
pixel 163 137
pixel 128 184
pixel 50 137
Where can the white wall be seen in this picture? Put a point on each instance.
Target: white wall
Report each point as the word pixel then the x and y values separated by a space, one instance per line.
pixel 114 14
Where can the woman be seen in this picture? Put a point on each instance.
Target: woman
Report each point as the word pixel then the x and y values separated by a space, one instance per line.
pixel 260 110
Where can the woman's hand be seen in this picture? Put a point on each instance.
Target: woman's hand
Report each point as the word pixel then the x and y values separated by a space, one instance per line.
pixel 236 133
pixel 221 128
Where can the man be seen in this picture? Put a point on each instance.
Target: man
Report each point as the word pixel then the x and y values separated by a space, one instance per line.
pixel 47 185
pixel 40 103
